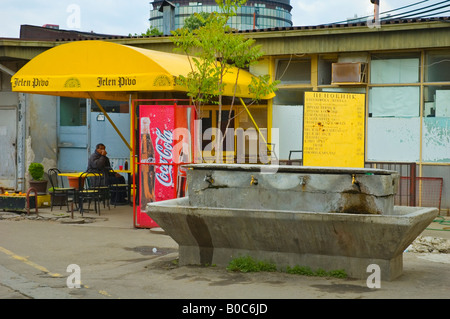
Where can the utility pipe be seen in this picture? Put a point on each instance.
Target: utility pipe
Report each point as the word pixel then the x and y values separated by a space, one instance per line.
pixel 6 70
pixel 376 11
pixel 21 133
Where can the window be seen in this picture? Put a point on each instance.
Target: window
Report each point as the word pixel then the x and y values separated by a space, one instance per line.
pixel 289 97
pixel 324 69
pixel 111 106
pixel 437 66
pixel 294 71
pixel 436 101
pixel 398 69
pixel 394 101
pixel 436 107
pixel 72 111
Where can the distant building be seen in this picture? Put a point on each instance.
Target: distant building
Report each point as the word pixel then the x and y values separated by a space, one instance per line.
pixel 51 32
pixel 255 14
pixel 51 26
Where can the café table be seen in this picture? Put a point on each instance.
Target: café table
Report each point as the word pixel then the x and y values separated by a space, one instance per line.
pixel 76 174
pixel 73 179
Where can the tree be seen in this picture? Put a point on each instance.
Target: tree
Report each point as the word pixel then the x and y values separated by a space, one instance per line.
pixel 152 31
pixel 196 20
pixel 212 49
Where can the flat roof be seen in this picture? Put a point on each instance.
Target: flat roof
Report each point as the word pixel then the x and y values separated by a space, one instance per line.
pixel 395 34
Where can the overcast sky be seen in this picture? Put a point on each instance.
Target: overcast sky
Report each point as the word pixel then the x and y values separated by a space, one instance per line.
pixel 121 17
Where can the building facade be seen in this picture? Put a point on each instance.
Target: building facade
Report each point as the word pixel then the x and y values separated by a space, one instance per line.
pixel 402 69
pixel 260 14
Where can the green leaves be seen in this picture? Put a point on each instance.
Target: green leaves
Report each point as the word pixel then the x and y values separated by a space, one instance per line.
pixel 261 86
pixel 36 171
pixel 229 7
pixel 152 31
pixel 195 21
pixel 248 264
pixel 212 48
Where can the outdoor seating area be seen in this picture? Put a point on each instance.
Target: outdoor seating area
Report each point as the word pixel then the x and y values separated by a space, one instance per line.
pixel 60 195
pixel 83 189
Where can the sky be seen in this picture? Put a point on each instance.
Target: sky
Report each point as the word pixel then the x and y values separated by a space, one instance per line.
pixel 118 17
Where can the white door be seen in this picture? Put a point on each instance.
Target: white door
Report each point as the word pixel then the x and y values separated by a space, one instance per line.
pixel 8 140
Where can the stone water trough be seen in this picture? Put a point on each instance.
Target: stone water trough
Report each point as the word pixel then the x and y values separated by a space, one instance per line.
pixel 328 218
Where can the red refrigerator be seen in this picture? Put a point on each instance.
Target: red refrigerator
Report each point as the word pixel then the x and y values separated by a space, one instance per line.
pixel 165 143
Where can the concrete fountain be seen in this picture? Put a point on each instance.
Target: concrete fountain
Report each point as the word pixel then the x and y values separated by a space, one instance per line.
pixel 328 218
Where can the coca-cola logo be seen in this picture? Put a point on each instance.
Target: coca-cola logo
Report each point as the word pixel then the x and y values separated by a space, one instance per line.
pixel 164 148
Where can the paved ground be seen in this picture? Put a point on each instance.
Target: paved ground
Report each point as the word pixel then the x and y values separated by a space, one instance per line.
pixel 40 258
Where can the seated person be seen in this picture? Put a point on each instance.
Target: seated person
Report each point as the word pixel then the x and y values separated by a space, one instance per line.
pixel 98 161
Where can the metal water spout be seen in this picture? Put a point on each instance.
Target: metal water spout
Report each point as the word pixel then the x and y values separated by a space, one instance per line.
pixel 209 179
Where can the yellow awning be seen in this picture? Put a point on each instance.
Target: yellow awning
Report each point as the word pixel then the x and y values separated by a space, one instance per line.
pixel 109 71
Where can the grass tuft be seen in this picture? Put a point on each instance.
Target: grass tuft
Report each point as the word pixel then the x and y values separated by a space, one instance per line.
pixel 248 264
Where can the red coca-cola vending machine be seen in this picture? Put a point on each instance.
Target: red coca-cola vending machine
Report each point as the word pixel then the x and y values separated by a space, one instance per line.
pixel 165 143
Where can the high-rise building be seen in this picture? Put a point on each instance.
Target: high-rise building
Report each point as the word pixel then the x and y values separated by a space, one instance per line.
pixel 255 14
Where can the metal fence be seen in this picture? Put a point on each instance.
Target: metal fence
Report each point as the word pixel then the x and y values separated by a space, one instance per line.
pixel 413 190
pixel 428 191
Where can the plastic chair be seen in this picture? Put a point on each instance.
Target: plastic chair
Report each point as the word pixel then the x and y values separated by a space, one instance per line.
pixel 59 195
pixel 87 193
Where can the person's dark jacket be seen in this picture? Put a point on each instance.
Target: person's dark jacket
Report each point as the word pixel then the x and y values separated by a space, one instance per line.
pixel 98 162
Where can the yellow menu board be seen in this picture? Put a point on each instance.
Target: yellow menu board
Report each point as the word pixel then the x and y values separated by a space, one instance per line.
pixel 334 129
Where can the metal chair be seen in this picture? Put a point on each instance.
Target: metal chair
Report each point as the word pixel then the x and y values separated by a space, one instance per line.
pixel 299 161
pixel 59 195
pixel 119 190
pixel 100 182
pixel 87 193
